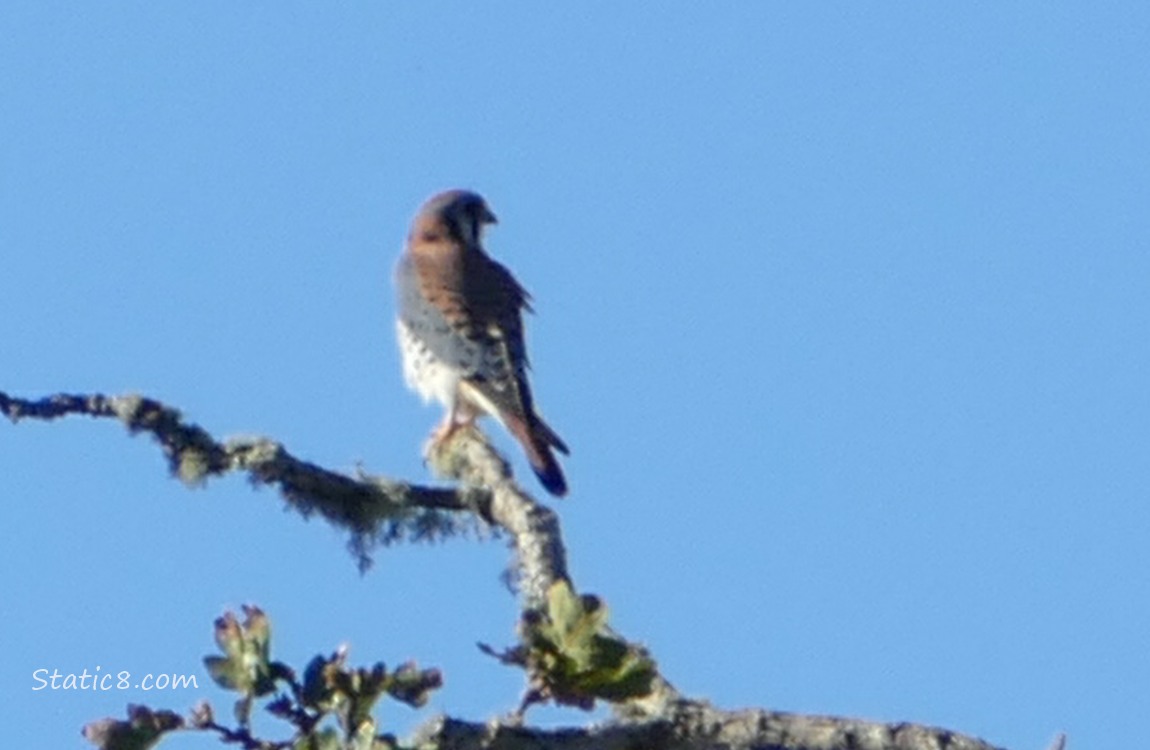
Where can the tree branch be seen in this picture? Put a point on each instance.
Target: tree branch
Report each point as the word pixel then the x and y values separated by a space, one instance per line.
pixel 378 510
pixel 699 726
pixel 373 510
pixel 540 554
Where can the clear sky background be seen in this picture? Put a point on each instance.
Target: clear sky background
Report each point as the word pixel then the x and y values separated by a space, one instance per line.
pixel 843 311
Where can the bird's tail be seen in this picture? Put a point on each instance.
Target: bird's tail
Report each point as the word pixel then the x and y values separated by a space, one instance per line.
pixel 537 440
pixel 549 436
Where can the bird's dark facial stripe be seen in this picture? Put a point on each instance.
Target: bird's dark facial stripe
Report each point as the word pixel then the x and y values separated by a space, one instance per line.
pixel 465 216
pixel 466 227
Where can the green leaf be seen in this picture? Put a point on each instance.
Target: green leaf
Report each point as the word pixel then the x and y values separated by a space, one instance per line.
pixel 365 687
pixel 574 659
pixel 325 739
pixel 244 667
pixel 142 730
pixel 318 692
pixel 351 694
pixel 412 685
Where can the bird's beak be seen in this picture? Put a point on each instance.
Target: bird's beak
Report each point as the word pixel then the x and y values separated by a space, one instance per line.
pixel 489 218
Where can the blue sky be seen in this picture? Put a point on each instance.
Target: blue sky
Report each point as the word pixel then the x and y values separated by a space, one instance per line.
pixel 842 310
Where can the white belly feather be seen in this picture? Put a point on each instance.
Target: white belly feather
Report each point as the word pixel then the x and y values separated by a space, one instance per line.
pixel 425 374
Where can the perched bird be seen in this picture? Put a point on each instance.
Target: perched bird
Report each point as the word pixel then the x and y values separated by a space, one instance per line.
pixel 460 329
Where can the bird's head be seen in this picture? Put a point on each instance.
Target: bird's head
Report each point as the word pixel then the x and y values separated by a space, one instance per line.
pixel 463 212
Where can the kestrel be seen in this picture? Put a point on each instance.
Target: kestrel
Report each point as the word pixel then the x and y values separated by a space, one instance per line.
pixel 460 329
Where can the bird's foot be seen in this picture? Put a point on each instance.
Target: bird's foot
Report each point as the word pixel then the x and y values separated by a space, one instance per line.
pixel 439 436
